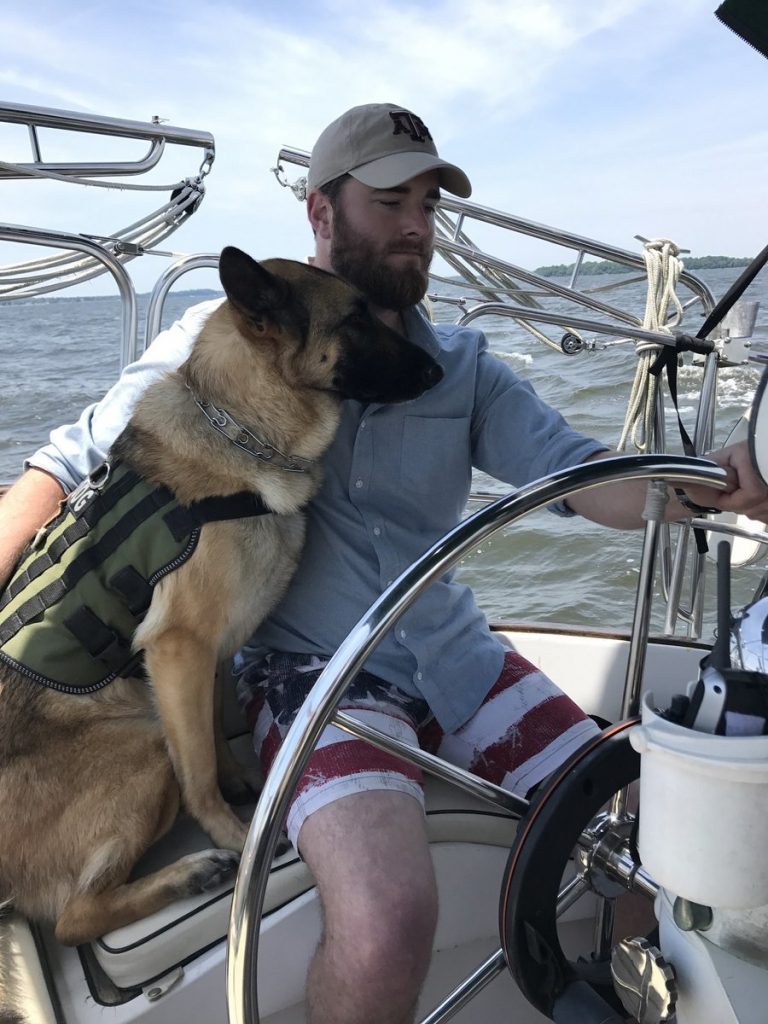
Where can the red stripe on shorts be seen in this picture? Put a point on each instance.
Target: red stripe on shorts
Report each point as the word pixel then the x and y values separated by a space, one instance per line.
pixel 527 737
pixel 515 668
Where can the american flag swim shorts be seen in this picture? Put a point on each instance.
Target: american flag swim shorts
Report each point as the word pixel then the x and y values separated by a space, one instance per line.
pixel 523 730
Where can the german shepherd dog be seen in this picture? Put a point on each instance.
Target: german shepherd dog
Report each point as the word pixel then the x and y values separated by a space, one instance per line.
pixel 89 780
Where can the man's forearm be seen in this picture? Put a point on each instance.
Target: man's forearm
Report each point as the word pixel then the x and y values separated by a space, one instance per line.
pixel 32 500
pixel 621 505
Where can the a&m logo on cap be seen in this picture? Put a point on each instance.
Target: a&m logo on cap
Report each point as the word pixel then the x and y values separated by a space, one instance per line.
pixel 408 124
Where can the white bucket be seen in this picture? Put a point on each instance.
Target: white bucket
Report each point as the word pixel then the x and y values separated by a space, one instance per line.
pixel 703 812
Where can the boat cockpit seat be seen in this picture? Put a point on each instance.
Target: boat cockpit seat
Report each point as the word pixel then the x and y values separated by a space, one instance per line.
pixel 133 956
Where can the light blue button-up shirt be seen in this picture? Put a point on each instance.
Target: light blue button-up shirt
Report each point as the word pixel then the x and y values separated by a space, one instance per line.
pixel 396 478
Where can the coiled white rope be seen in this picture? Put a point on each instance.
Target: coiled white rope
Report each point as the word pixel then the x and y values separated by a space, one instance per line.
pixel 663 269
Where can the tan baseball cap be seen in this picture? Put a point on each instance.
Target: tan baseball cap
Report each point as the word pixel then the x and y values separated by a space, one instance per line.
pixel 382 145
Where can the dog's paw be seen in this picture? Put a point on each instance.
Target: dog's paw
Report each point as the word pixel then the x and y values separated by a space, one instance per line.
pixel 210 869
pixel 223 827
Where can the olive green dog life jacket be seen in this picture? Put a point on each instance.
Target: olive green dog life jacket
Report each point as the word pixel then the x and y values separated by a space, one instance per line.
pixel 81 589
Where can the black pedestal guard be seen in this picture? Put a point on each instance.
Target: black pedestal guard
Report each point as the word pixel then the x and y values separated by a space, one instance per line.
pixel 562 990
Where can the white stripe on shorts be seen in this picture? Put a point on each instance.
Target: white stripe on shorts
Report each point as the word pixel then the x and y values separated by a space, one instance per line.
pixel 538 767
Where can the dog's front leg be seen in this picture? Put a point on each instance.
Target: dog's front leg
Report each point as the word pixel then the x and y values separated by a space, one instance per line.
pixel 182 669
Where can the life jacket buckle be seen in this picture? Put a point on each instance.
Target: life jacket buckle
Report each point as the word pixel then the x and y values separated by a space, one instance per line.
pixel 86 492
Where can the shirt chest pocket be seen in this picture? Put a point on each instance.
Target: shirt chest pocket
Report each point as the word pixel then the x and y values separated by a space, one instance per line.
pixel 436 462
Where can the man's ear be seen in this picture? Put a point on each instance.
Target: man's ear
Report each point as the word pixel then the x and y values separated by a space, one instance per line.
pixel 320 213
pixel 252 289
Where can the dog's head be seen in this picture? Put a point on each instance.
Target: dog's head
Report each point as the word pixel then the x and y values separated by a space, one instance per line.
pixel 326 335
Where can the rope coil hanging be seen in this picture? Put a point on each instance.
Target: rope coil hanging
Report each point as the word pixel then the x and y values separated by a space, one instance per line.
pixel 663 269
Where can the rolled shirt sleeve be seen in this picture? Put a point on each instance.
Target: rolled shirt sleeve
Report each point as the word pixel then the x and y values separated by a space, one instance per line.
pixel 517 437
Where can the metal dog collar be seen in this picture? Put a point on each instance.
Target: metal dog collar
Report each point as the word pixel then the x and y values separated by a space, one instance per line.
pixel 248 442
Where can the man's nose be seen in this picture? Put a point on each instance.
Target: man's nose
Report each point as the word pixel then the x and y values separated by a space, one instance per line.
pixel 417 221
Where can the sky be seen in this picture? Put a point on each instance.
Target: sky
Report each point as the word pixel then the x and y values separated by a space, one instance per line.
pixel 608 119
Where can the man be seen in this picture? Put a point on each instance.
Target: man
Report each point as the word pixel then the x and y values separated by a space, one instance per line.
pixel 396 479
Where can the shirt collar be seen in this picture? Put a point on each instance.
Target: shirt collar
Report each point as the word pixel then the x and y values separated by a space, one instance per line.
pixel 420 331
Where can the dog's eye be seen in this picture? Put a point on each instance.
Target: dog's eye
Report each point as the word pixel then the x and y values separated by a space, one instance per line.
pixel 324 358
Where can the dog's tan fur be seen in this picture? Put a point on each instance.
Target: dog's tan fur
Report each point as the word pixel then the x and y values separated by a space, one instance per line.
pixel 88 782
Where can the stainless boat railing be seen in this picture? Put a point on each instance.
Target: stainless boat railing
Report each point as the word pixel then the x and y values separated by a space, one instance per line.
pixel 61 270
pixel 98 253
pixel 165 282
pixel 155 132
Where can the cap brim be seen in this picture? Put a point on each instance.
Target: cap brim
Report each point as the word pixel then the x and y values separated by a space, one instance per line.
pixel 390 171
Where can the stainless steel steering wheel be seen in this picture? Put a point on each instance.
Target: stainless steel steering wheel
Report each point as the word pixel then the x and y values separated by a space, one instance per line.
pixel 319 708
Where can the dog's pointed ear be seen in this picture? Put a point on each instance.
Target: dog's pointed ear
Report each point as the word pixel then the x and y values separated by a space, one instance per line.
pixel 251 288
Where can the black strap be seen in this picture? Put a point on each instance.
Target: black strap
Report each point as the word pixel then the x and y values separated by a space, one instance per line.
pixel 134 589
pixel 45 560
pixel 182 519
pixel 233 506
pixel 667 360
pixel 734 293
pixel 102 643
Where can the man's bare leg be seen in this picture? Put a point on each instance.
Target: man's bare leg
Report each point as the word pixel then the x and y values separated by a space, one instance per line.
pixel 370 857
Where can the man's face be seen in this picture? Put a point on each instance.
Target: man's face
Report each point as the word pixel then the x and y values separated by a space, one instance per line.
pixel 382 240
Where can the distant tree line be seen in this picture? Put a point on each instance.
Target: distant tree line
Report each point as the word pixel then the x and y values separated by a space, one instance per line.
pixel 609 267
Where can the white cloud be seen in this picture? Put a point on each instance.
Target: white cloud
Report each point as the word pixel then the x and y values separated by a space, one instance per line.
pixel 599 116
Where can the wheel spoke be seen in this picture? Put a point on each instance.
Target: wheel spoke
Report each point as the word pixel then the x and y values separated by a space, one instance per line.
pixel 465 780
pixel 468 989
pixel 570 893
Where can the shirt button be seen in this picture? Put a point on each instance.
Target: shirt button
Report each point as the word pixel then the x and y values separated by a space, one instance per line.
pixel 377 531
pixel 403 634
pixel 419 676
pixel 362 424
pixel 358 484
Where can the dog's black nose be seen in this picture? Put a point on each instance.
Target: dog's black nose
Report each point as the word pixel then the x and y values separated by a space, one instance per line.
pixel 432 375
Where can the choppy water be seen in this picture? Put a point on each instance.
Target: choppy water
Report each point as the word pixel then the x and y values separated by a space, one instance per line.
pixel 59 354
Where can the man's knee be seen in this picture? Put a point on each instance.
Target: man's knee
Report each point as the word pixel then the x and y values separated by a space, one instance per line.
pixel 389 933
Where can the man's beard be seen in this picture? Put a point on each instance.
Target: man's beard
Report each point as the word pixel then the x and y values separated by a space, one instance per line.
pixel 360 261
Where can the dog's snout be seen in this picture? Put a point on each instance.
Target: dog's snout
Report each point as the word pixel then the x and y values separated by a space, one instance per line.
pixel 431 375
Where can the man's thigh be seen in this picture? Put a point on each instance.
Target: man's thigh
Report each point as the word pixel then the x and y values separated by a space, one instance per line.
pixel 525 728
